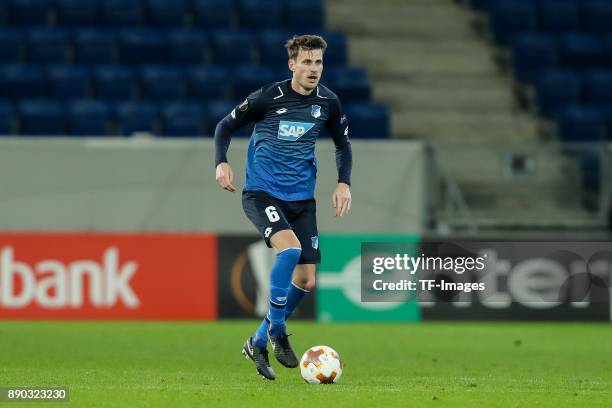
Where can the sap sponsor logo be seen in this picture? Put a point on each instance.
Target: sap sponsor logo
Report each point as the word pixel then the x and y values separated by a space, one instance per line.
pixel 52 284
pixel 292 131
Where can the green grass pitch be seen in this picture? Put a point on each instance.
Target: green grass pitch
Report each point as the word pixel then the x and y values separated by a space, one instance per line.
pixel 126 364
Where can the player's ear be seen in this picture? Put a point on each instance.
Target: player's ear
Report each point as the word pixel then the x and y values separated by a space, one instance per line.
pixel 291 64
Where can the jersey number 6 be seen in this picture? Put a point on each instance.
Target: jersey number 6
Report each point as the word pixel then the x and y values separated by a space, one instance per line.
pixel 272 214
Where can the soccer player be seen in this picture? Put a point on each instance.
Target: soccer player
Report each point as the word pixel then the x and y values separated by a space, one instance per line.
pixel 278 196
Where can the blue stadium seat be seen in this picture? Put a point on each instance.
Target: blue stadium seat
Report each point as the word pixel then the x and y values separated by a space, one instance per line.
pixel 165 13
pixel 47 45
pixel 183 119
pixel 208 83
pixel 141 46
pixel 608 50
pixel 532 53
pixel 368 121
pixel 335 73
pixel 254 14
pixel 3 13
pixel 113 82
pixel 556 89
pixel 161 82
pixel 271 44
pixel 282 72
pixel 232 47
pixel 598 87
pixel 511 17
pixel 305 15
pixel 29 12
pixel 11 45
pixel 88 117
pixel 122 13
pixel 22 81
pixel 187 46
pixel 559 16
pixel 68 81
pixel 248 79
pixel 350 90
pixel 214 14
pixel 77 13
pixel 578 123
pixel 136 116
pixel 598 16
pixel 337 49
pixel 95 46
pixel 7 114
pixel 581 50
pixel 42 117
pixel 344 74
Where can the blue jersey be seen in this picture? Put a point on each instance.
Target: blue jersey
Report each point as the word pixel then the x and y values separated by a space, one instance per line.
pixel 281 155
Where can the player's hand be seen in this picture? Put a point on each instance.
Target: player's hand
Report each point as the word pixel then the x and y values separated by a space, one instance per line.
pixel 341 199
pixel 225 177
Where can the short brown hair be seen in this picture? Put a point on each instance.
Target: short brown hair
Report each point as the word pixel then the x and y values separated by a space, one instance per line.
pixel 305 42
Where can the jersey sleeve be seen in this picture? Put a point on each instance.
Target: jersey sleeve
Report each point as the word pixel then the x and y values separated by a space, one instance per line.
pixel 337 126
pixel 252 109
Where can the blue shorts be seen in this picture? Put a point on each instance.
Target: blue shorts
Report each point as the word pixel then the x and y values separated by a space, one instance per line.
pixel 270 215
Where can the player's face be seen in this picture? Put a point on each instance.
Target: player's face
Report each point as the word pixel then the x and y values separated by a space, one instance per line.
pixel 307 68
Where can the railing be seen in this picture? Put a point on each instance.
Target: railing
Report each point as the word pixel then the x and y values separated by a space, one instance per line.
pixel 547 185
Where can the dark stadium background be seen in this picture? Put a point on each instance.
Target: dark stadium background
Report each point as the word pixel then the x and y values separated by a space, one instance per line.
pixel 129 277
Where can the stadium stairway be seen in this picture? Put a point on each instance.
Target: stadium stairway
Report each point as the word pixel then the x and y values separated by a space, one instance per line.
pixel 441 81
pixel 427 64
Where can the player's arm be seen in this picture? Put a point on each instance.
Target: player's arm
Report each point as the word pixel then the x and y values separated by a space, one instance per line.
pixel 248 111
pixel 337 126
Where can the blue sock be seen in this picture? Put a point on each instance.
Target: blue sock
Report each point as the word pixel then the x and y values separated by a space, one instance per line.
pixel 261 335
pixel 293 299
pixel 280 280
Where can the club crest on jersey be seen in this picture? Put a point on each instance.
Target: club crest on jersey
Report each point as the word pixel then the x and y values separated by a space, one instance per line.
pixel 316 111
pixel 292 131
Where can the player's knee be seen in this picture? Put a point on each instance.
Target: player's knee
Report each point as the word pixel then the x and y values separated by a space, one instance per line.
pixel 309 285
pixel 285 239
pixel 293 242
